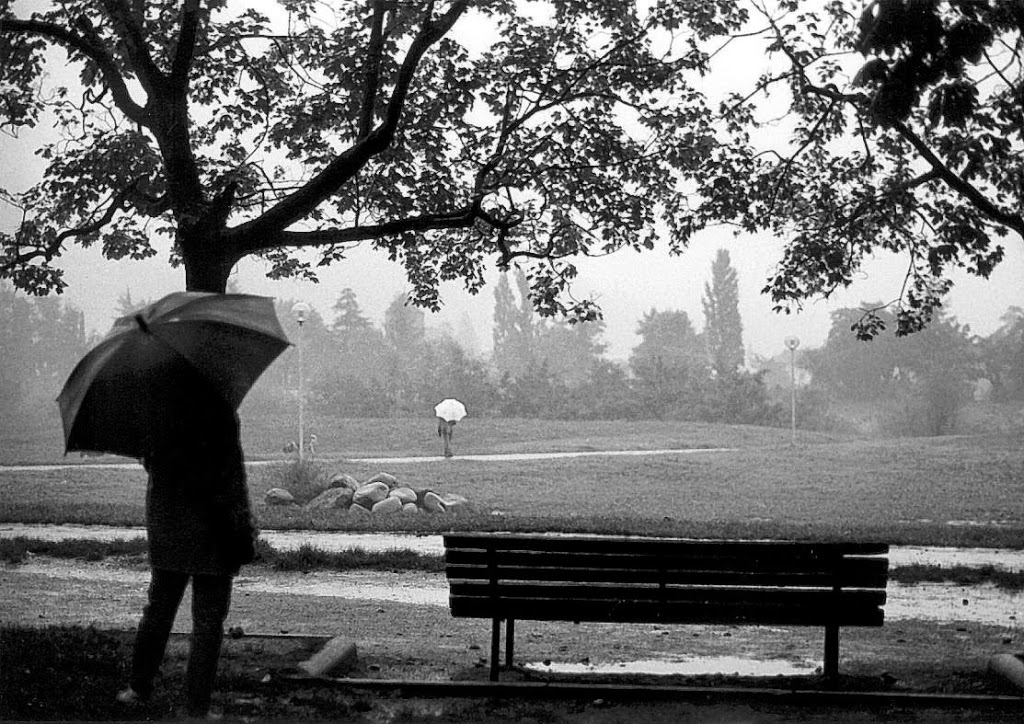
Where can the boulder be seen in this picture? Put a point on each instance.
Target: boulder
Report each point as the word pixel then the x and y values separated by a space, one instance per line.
pixel 344 480
pixel 406 495
pixel 410 508
pixel 370 493
pixel 455 503
pixel 358 509
pixel 433 503
pixel 331 498
pixel 388 505
pixel 279 496
pixel 387 478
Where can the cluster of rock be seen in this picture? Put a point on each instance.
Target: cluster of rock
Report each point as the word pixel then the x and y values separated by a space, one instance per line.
pixel 381 495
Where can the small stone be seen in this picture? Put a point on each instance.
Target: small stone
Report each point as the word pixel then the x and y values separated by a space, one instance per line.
pixel 410 508
pixel 433 503
pixel 370 493
pixel 331 498
pixel 386 478
pixel 405 494
pixel 344 480
pixel 278 496
pixel 388 505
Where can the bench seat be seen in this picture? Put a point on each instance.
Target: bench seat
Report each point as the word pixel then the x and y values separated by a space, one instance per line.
pixel 626 579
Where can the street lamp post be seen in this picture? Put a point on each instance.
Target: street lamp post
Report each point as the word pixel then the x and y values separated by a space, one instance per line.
pixel 300 310
pixel 792 343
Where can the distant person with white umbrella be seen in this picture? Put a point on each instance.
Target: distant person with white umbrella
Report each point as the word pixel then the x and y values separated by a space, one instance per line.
pixel 449 411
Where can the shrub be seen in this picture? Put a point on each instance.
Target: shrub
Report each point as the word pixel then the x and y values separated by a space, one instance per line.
pixel 305 479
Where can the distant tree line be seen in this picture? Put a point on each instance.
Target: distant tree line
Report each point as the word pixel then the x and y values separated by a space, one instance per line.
pixel 548 368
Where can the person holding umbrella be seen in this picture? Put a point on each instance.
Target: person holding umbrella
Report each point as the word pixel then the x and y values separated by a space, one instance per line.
pixel 449 411
pixel 200 529
pixel 164 387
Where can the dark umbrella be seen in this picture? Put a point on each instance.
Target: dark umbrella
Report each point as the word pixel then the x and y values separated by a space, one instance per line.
pixel 173 359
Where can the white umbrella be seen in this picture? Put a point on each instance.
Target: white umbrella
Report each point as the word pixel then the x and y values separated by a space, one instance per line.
pixel 450 409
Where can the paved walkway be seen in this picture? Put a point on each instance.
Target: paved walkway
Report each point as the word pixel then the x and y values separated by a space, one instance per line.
pixel 122 465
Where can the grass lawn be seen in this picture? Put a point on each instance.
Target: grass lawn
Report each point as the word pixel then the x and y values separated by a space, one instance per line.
pixel 954 490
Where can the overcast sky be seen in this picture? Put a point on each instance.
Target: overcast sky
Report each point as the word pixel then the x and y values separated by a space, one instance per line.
pixel 626 284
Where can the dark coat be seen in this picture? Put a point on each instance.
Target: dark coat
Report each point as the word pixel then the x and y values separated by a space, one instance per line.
pixel 198 513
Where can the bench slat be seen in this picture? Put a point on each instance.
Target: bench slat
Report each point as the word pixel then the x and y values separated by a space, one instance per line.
pixel 656 546
pixel 863 578
pixel 709 595
pixel 663 612
pixel 681 557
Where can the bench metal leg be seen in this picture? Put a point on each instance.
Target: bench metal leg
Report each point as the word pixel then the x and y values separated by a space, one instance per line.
pixel 495 647
pixel 831 651
pixel 510 642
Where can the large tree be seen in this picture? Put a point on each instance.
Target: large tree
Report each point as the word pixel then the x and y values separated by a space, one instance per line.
pixel 443 132
pixel 515 333
pixel 723 327
pixel 901 131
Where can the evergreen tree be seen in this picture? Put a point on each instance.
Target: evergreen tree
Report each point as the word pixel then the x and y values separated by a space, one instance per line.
pixel 515 333
pixel 723 328
pixel 348 317
pixel 404 324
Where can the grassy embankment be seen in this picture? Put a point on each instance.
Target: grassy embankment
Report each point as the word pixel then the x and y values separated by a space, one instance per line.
pixel 957 491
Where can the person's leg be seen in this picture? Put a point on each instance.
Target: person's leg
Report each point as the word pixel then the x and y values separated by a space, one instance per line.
pixel 211 598
pixel 165 592
pixel 446 435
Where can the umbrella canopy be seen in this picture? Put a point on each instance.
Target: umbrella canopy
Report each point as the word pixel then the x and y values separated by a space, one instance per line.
pixel 171 361
pixel 450 409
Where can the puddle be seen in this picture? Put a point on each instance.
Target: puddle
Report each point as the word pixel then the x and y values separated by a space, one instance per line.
pixel 730 665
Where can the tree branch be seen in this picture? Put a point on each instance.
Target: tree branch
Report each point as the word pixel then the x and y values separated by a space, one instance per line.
pixel 91 50
pixel 959 184
pixel 460 219
pixel 184 53
pixel 373 58
pixel 130 32
pixel 119 201
pixel 297 205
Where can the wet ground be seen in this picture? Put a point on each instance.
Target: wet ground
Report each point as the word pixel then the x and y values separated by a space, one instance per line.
pixel 931 601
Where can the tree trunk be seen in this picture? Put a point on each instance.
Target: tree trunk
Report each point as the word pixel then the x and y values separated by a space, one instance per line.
pixel 207 258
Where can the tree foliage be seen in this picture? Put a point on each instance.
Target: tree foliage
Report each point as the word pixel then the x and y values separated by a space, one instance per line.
pixel 905 136
pixel 444 134
pixel 920 380
pixel 41 340
pixel 451 133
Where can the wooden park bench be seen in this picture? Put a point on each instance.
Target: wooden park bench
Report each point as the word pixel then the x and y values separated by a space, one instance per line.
pixel 622 579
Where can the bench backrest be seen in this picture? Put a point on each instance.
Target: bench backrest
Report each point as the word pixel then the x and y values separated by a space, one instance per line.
pixel 621 578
